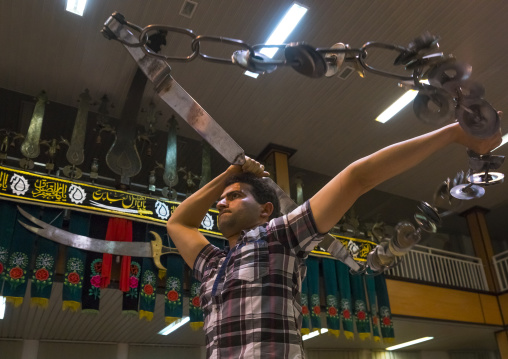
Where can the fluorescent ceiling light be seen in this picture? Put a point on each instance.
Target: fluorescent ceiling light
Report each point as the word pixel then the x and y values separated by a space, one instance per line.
pixel 504 139
pixel 398 105
pixel 76 6
pixel 314 334
pixel 174 326
pixel 412 342
pixel 2 307
pixel 282 31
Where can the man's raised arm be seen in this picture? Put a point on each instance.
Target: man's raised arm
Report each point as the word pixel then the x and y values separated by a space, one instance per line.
pixel 183 224
pixel 336 197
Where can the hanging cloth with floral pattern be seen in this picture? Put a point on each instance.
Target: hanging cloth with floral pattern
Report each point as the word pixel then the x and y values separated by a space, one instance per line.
pixel 195 311
pixel 385 313
pixel 305 307
pixel 314 299
pixel 332 304
pixel 17 270
pixel 148 282
pixel 45 259
pixel 361 314
pixel 79 223
pixel 374 312
pixel 7 221
pixel 173 295
pixel 346 312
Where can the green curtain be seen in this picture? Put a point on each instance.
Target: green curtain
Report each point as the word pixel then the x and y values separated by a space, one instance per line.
pixel 75 259
pixel 313 286
pixel 361 314
pixel 345 299
pixel 173 299
pixel 148 285
pixel 374 316
pixel 332 310
pixel 195 311
pixel 45 259
pixel 305 307
pixel 18 264
pixel 7 220
pixel 384 309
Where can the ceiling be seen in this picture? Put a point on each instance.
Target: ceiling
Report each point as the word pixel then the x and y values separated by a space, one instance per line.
pixel 111 326
pixel 328 121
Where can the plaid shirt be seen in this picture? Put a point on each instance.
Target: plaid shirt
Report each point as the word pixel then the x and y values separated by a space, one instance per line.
pixel 250 294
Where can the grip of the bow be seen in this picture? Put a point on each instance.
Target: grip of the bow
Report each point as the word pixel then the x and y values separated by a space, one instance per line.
pixel 157 250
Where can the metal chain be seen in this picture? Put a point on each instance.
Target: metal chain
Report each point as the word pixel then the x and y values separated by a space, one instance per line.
pixel 258 61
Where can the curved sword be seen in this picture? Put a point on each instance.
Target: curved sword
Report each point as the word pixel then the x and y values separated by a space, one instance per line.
pixel 154 249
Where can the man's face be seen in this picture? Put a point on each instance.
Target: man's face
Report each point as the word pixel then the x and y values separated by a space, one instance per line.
pixel 238 210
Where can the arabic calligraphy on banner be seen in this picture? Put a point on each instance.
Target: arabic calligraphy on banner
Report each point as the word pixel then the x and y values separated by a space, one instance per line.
pixel 22 186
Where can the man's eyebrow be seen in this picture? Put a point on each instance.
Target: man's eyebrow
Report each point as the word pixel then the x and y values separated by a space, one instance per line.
pixel 230 193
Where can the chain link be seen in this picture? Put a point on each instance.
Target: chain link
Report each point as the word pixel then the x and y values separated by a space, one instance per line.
pixel 254 58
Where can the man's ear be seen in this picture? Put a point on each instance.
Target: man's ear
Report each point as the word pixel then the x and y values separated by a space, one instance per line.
pixel 267 209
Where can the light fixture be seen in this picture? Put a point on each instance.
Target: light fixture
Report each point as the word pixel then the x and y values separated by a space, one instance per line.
pixel 76 6
pixel 412 342
pixel 314 334
pixel 174 326
pixel 398 105
pixel 286 25
pixel 504 139
pixel 2 307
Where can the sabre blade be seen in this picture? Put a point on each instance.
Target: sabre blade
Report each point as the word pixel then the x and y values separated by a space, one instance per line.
pixel 135 249
pixel 158 71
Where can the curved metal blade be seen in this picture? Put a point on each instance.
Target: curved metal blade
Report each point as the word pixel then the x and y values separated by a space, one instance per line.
pixel 136 249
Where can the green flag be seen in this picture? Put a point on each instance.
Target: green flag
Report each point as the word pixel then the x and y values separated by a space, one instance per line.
pixel 305 307
pixel 75 260
pixel 7 221
pixel 345 299
pixel 195 311
pixel 332 310
pixel 374 316
pixel 16 273
pixel 313 286
pixel 45 259
pixel 361 315
pixel 384 309
pixel 173 308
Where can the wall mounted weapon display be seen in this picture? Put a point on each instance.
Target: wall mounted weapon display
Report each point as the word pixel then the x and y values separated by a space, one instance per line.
pixel 30 147
pixel 447 89
pixel 76 151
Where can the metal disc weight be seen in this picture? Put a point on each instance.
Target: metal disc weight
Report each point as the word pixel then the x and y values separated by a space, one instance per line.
pixel 467 191
pixel 305 60
pixel 433 106
pixel 478 118
pixel 449 75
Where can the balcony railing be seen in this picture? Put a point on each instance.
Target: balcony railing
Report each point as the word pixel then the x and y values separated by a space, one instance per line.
pixel 501 265
pixel 443 267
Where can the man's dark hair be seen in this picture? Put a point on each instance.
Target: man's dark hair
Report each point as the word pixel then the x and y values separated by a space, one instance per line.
pixel 261 190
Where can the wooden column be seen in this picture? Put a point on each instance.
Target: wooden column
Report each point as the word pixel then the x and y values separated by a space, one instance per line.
pixel 481 242
pixel 275 159
pixel 502 343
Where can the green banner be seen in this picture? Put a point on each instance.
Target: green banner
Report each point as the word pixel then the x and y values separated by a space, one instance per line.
pixel 332 304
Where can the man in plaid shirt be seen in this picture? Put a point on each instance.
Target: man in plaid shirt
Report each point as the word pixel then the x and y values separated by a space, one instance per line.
pixel 250 292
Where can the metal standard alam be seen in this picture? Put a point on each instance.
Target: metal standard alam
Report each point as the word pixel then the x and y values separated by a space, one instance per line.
pixel 444 90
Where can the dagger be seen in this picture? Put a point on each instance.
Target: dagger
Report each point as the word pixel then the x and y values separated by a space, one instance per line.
pixel 159 72
pixel 153 250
